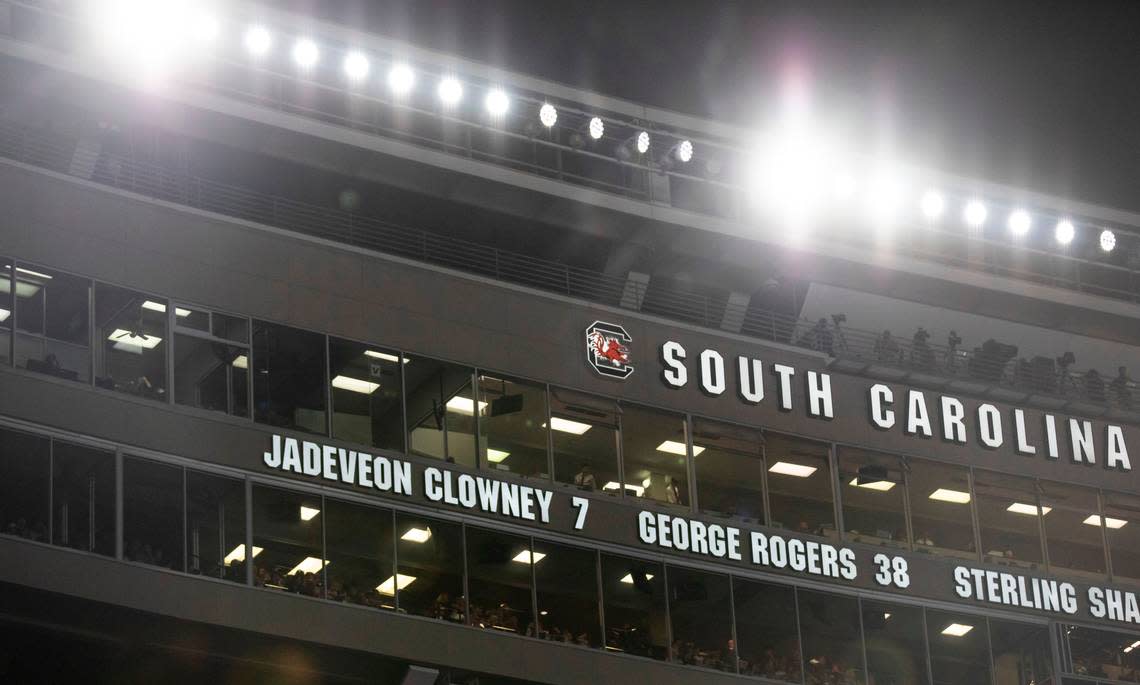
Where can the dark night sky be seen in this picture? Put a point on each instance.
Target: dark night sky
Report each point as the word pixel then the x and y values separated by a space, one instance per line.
pixel 1044 95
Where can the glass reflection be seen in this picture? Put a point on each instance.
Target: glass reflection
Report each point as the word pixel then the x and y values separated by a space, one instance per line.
pixel 872 492
pixel 498 578
pixel 1102 654
pixel 83 498
pixel 730 469
pixel 132 338
pixel 633 594
pixel 288 377
pixel 941 509
pixel 429 580
pixel 152 513
pixel 832 640
pixel 366 394
pixel 25 483
pixel 799 485
pixel 766 628
pixel 53 323
pixel 584 430
pixel 1021 653
pixel 1072 528
pixel 566 582
pixel 959 648
pixel 1008 514
pixel 1122 527
pixel 287 541
pixel 896 651
pixel 701 612
pixel 360 549
pixel 215 526
pixel 441 410
pixel 512 426
pixel 654 452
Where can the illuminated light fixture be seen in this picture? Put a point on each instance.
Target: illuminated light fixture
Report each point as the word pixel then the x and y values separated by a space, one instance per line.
pixel 524 557
pixel 4 314
pixel 597 128
pixel 932 204
pixel 464 405
pixel 642 142
pixel 956 629
pixel 975 214
pixel 237 554
pixel 844 187
pixel 685 151
pixel 1109 522
pixel 160 307
pixel 495 456
pixel 241 362
pixel 497 102
pixel 951 496
pixel 417 535
pixel 568 426
pixel 385 356
pixel 29 272
pixel 356 66
pixel 1020 222
pixel 543 612
pixel 397 582
pixel 305 53
pixel 1107 240
pixel 879 485
pixel 1064 232
pixel 308 565
pixel 645 483
pixel 1027 509
pixel 355 385
pixel 450 91
pixel 886 616
pixel 401 79
pixel 788 469
pixel 258 41
pixel 884 197
pixel 678 448
pixel 635 489
pixel 127 341
pixel 547 114
pixel 204 27
pixel 308 513
pixel 628 578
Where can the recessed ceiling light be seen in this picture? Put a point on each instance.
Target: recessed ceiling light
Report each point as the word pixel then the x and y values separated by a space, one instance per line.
pixel 464 405
pixel 238 554
pixel 355 385
pixel 308 513
pixel 678 448
pixel 308 565
pixel 628 578
pixel 241 362
pixel 880 485
pixel 1027 509
pixel 788 469
pixel 952 496
pixel 398 582
pixel 160 307
pixel 495 456
pixel 524 557
pixel 385 356
pixel 635 489
pixel 419 535
pixel 568 426
pixel 131 342
pixel 1109 522
pixel 956 629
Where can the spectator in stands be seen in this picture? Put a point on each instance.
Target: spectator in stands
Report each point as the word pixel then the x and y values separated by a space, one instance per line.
pixel 585 478
pixel 1094 386
pixel 1122 387
pixel 952 342
pixel 921 356
pixel 672 492
pixel 1065 382
pixel 821 338
pixel 886 348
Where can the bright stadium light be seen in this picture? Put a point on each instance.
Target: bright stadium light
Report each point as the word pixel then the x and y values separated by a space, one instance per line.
pixel 642 142
pixel 1065 232
pixel 450 91
pixel 975 214
pixel 932 204
pixel 401 78
pixel 496 102
pixel 597 128
pixel 1107 240
pixel 356 66
pixel 685 151
pixel 305 53
pixel 1020 222
pixel 204 27
pixel 884 198
pixel 547 115
pixel 258 41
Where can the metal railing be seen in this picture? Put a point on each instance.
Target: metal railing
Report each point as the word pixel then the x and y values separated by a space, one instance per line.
pixel 991 368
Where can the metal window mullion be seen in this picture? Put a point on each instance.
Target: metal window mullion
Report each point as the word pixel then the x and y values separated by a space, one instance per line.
pixel 395 563
pixel 990 647
pixel 185 521
pixel 600 595
pixel 765 499
pixel 908 521
pixel 690 464
pixel 620 449
pixel 863 640
pixel 732 618
pixel 836 502
pixel 799 633
pixel 248 531
pixel 91 334
pixel 926 646
pixel 13 320
pixel 1037 490
pixel 118 504
pixel 549 435
pixel 328 390
pixel 475 395
pixel 250 376
pixel 466 590
pixel 324 549
pixel 1101 510
pixel 51 489
pixel 533 589
pixel 404 411
pixel 169 361
pixel 975 520
pixel 669 656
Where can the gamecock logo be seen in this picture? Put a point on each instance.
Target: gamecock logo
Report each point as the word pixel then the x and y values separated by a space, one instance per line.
pixel 607 349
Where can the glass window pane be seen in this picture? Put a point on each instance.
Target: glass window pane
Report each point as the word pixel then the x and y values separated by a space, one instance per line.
pixel 833 647
pixel 366 395
pixel 1007 512
pixel 701 611
pixel 360 553
pixel 498 578
pixel 633 592
pixel 1072 528
pixel 941 505
pixel 287 541
pixel 512 426
pixel 766 629
pixel 289 377
pixel 131 340
pixel 234 328
pixel 1100 653
pixel 209 374
pixel 5 311
pixel 585 440
pixel 215 526
pixel 959 648
pixel 871 487
pixel 566 580
pixel 152 513
pixel 654 450
pixel 1122 519
pixel 896 651
pixel 25 482
pixel 83 498
pixel 799 484
pixel 441 410
pixel 730 469
pixel 1021 653
pixel 430 574
pixel 52 323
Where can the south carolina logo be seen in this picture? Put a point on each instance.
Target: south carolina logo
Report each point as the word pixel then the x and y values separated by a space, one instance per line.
pixel 607 349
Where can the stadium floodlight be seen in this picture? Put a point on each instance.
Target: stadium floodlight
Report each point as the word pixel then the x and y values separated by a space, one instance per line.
pixel 975 214
pixel 844 186
pixel 356 66
pixel 642 142
pixel 450 91
pixel 305 53
pixel 597 128
pixel 547 114
pixel 1107 240
pixel 685 150
pixel 204 26
pixel 1065 232
pixel 932 204
pixel 401 78
pixel 258 41
pixel 496 102
pixel 1020 222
